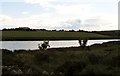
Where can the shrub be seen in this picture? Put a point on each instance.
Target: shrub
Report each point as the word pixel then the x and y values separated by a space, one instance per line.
pixel 94 59
pixel 70 68
pixel 39 58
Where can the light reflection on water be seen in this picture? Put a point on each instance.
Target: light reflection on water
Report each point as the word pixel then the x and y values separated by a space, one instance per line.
pixel 12 45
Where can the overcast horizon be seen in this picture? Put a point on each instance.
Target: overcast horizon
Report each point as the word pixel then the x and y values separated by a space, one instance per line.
pixel 95 15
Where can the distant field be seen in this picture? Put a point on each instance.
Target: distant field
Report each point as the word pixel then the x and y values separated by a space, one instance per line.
pixel 49 35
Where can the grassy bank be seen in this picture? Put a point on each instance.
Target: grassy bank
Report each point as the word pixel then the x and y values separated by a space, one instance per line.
pixel 74 61
pixel 49 35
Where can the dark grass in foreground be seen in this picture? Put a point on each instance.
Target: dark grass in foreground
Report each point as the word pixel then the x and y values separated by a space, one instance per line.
pixel 74 61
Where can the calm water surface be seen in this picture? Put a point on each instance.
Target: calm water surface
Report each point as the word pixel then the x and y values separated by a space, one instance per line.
pixel 12 45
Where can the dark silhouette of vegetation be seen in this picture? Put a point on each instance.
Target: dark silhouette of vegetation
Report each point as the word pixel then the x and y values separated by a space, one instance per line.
pixel 29 29
pixel 71 68
pixel 71 61
pixel 40 58
pixel 44 45
pixel 83 43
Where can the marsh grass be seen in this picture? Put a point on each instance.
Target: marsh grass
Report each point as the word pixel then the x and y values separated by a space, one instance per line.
pixel 73 61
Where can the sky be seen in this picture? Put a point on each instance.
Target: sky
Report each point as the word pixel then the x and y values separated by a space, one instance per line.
pixel 90 15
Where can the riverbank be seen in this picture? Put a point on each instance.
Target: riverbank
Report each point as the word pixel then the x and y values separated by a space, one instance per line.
pixel 72 61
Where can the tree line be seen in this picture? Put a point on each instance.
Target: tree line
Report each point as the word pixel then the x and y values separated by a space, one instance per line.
pixel 29 29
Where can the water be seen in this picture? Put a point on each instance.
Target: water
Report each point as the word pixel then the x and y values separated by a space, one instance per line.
pixel 12 45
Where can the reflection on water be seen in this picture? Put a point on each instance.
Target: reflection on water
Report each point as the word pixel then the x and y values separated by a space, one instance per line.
pixel 54 44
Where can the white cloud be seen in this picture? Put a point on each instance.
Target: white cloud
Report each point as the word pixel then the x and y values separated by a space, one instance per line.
pixel 25 12
pixel 82 11
pixel 70 10
pixel 4 18
pixel 62 0
pixel 98 0
pixel 37 21
pixel 44 3
pixel 68 24
pixel 100 23
pixel 83 16
pixel 73 9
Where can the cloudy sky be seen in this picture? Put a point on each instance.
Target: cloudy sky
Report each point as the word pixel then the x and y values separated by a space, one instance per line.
pixel 60 14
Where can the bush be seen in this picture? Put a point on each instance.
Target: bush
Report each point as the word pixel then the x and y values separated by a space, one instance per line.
pixel 94 59
pixel 39 58
pixel 70 68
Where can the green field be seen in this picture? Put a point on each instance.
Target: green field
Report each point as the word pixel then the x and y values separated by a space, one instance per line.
pixel 50 35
